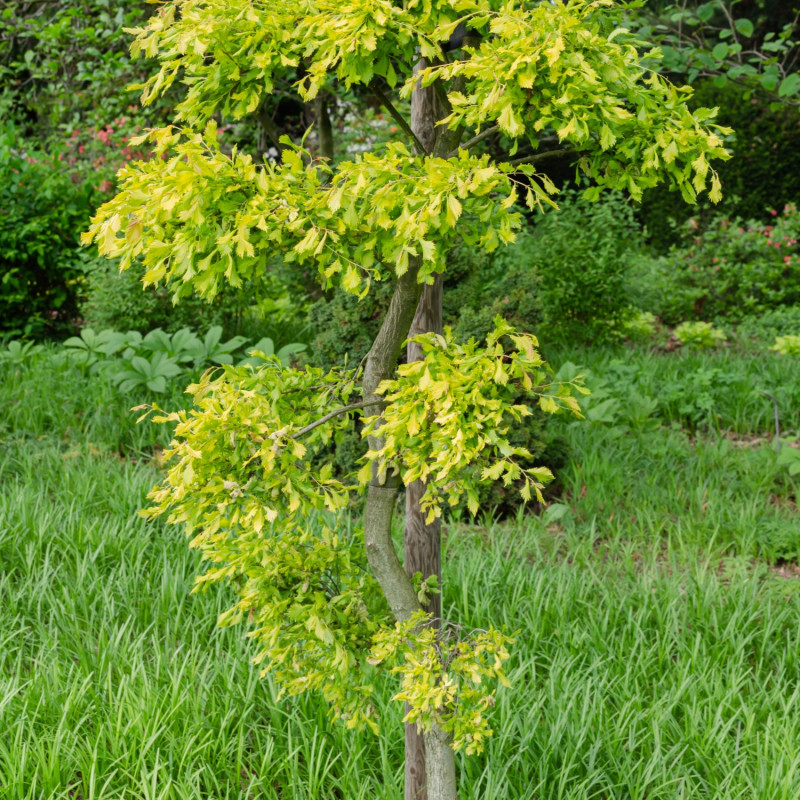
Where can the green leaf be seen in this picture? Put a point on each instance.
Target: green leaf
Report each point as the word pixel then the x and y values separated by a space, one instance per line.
pixel 744 26
pixel 789 85
pixel 720 51
pixel 769 81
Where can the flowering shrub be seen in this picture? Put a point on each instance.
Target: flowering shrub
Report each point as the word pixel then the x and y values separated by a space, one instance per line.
pixel 97 154
pixel 730 270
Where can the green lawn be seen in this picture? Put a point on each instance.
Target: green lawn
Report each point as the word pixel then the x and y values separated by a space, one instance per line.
pixel 658 648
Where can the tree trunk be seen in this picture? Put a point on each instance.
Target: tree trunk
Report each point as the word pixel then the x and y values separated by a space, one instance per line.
pixel 425 768
pixel 422 544
pixel 423 551
pixel 324 128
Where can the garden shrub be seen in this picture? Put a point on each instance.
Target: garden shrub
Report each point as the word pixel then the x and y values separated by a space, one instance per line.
pixel 699 335
pixel 765 328
pixel 42 212
pixel 729 271
pixel 583 254
pixel 118 301
pixel 788 345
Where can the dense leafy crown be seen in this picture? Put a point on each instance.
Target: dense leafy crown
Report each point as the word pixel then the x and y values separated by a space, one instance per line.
pixel 198 216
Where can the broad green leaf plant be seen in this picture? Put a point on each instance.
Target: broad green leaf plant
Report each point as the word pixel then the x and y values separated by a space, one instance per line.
pixel 328 604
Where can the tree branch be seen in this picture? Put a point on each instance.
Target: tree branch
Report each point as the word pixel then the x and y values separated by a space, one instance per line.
pixel 380 364
pixel 541 156
pixel 474 140
pixel 397 117
pixel 330 415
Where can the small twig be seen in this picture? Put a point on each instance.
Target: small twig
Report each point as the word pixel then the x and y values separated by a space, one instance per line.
pixel 541 156
pixel 777 420
pixel 474 140
pixel 397 117
pixel 330 415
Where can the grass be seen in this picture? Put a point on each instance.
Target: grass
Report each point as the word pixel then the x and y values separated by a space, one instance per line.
pixel 658 654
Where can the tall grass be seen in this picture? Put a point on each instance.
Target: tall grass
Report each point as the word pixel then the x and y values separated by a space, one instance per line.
pixel 656 658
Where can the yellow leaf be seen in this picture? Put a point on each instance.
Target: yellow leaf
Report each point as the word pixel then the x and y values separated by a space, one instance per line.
pixel 453 210
pixel 553 52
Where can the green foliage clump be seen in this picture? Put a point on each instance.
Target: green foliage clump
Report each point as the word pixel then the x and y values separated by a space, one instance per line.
pixel 729 271
pixel 41 215
pixel 787 345
pixel 117 300
pixel 442 671
pixel 766 327
pixel 640 327
pixel 583 254
pixel 699 334
pixel 458 402
pixel 215 219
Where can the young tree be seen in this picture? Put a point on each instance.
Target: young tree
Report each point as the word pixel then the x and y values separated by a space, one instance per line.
pixel 327 609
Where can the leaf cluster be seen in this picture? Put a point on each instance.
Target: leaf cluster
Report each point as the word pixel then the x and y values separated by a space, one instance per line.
pixel 443 676
pixel 199 218
pixel 454 409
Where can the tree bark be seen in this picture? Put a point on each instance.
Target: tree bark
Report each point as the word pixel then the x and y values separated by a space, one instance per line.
pixel 440 766
pixel 422 545
pixel 381 495
pixel 424 766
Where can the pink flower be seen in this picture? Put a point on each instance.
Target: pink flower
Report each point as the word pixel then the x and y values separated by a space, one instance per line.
pixel 787 259
pixel 714 260
pixel 774 213
pixel 81 149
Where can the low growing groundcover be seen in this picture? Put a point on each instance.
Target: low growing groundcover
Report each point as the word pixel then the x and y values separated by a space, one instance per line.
pixel 657 654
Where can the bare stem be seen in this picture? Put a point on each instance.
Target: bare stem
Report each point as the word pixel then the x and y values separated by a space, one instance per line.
pixel 542 156
pixel 475 139
pixel 330 415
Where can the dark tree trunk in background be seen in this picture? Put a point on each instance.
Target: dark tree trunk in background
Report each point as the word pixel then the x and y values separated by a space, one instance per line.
pixel 324 128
